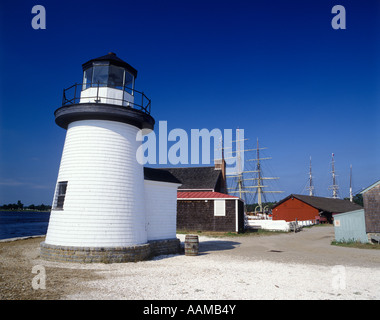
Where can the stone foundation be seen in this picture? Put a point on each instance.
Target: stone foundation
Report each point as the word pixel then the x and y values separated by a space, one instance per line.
pixel 168 246
pixel 109 255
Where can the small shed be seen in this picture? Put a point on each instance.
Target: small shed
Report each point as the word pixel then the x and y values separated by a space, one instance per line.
pixel 209 211
pixel 350 226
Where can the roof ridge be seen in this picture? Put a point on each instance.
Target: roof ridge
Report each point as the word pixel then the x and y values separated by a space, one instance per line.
pixel 203 195
pixel 166 168
pixel 323 203
pixel 196 177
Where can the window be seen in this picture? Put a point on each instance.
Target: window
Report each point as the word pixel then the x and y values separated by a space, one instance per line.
pixel 219 207
pixel 116 77
pixel 100 75
pixel 87 78
pixel 61 193
pixel 107 75
pixel 129 82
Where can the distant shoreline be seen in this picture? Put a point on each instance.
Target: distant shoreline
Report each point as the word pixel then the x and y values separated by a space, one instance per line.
pixel 22 238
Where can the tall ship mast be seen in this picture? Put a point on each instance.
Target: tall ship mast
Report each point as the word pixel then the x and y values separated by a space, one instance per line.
pixel 249 185
pixel 334 187
pixel 351 195
pixel 311 185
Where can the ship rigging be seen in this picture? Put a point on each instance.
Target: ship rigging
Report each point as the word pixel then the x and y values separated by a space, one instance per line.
pixel 250 185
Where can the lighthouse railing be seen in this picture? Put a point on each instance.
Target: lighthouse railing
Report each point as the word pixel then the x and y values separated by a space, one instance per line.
pixel 97 93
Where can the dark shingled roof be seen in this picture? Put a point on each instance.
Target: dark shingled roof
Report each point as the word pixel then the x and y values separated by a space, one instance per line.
pixel 112 59
pixel 159 175
pixel 196 178
pixel 324 204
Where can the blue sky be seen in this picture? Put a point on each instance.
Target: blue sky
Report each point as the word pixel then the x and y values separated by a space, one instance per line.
pixel 276 69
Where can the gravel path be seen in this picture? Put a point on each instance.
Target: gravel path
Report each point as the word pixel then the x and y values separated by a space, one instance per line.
pixel 284 266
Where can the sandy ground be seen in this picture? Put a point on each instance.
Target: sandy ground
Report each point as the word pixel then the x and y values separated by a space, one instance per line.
pixel 282 266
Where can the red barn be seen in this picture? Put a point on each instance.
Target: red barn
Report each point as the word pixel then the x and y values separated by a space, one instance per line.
pixel 301 208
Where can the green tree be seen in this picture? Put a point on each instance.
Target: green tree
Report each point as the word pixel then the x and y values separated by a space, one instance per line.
pixel 358 199
pixel 20 205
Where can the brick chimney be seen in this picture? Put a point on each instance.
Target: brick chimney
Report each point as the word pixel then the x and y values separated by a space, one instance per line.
pixel 220 164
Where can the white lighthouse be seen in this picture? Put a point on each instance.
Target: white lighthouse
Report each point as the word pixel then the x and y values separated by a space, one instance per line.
pixel 99 206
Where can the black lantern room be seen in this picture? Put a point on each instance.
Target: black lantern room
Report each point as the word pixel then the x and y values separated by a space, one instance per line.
pixel 107 92
pixel 109 71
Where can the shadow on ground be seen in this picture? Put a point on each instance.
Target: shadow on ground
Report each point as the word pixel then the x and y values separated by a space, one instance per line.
pixel 216 245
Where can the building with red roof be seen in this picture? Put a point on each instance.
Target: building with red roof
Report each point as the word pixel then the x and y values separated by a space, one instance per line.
pixel 202 201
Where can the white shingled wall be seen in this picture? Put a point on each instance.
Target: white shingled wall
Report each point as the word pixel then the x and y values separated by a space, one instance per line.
pixel 104 202
pixel 161 209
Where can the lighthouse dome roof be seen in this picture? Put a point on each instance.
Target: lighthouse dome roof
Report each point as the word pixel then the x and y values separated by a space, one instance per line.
pixel 112 59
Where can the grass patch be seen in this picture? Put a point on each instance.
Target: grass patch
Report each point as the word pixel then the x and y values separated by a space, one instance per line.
pixel 356 244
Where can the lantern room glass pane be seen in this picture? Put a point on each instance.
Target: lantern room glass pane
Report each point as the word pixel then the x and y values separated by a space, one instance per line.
pixel 128 79
pixel 100 76
pixel 129 82
pixel 116 77
pixel 87 78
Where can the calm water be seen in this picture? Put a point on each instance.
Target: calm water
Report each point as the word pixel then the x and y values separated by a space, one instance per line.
pixel 22 224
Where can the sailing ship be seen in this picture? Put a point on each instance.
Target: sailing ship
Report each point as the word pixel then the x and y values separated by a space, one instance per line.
pixel 250 185
pixel 334 187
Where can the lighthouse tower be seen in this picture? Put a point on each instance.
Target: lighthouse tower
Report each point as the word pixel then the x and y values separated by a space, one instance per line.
pixel 98 210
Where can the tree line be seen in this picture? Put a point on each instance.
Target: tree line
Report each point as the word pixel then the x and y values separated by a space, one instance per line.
pixel 19 206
